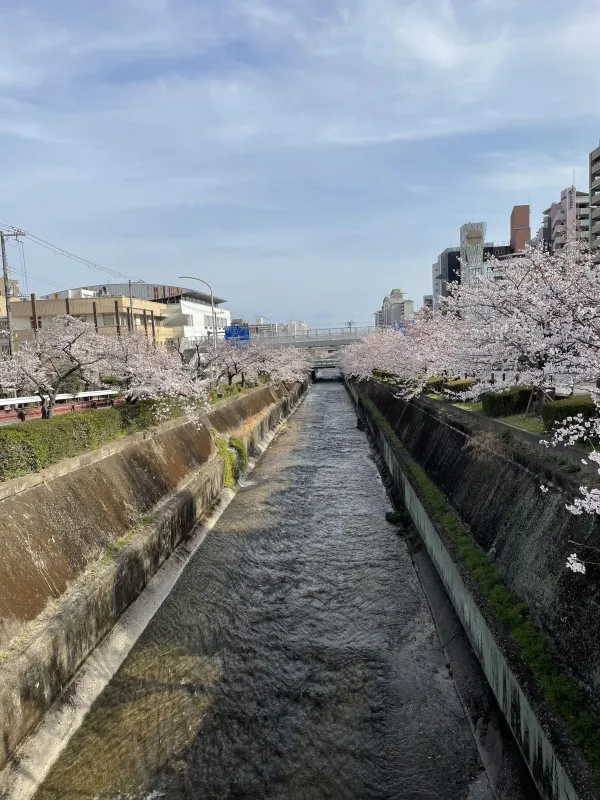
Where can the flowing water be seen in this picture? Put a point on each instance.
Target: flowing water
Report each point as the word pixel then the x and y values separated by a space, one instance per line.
pixel 295 659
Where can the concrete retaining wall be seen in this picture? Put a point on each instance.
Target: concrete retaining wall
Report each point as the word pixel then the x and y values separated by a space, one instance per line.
pixel 495 490
pixel 557 768
pixel 82 539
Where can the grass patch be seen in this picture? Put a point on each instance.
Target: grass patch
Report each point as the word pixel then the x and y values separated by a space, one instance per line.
pixel 242 451
pixel 528 422
pixel 475 407
pixel 225 392
pixel 558 687
pixel 231 463
pixel 114 548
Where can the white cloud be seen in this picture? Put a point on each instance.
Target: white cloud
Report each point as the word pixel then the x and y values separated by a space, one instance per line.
pixel 123 108
pixel 533 172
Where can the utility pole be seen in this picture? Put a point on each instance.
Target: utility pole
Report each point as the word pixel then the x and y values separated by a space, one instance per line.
pixel 7 288
pixel 350 324
pixel 131 328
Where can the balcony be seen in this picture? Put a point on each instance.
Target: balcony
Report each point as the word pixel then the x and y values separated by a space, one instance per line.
pixel 595 211
pixel 595 183
pixel 595 230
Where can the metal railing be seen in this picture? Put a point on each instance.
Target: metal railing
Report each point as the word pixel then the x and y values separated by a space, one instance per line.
pixel 315 335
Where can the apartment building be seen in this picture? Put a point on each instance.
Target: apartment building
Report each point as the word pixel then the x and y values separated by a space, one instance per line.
pixel 595 198
pixel 520 228
pixel 570 213
pixel 394 310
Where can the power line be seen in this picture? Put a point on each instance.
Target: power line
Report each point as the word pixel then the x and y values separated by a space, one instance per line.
pixel 37 277
pixel 57 250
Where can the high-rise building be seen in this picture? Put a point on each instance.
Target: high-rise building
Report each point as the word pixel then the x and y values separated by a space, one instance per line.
pixel 445 270
pixel 570 213
pixel 472 240
pixel 458 264
pixel 395 310
pixel 428 301
pixel 520 230
pixel 595 198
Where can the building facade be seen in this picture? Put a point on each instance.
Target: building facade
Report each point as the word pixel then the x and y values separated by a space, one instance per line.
pixel 570 213
pixel 185 314
pixel 595 198
pixel 395 310
pixel 472 241
pixel 520 228
pixel 111 316
pixel 446 270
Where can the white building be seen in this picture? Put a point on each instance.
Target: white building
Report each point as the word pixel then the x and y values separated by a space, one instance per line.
pixel 395 309
pixel 295 327
pixel 571 212
pixel 188 311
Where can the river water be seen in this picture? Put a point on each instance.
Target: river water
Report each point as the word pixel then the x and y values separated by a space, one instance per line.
pixel 295 659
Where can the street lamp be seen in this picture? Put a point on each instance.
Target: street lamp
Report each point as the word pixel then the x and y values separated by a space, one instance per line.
pixel 212 305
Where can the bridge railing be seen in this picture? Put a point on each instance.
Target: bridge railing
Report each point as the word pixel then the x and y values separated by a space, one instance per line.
pixel 315 335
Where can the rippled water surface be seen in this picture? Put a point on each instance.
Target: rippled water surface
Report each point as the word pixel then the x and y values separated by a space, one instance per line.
pixel 296 658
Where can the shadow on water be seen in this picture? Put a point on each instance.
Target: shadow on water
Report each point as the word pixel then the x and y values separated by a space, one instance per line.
pixel 295 659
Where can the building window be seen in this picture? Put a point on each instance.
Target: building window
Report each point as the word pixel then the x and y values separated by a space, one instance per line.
pixel 207 322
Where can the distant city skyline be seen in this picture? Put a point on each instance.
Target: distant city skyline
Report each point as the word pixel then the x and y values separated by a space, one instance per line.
pixel 302 156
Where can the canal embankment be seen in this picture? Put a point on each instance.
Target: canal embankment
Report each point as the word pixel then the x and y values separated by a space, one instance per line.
pixel 499 545
pixel 295 657
pixel 82 539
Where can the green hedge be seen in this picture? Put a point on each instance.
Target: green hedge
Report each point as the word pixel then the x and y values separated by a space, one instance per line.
pixel 32 446
pixel 434 384
pixel 503 404
pixel 382 374
pixel 559 410
pixel 456 387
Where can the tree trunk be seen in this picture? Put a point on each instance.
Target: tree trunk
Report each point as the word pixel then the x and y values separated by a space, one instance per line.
pixel 230 379
pixel 243 379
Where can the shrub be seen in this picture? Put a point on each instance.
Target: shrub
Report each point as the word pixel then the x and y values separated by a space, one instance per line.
pixel 382 374
pixel 503 404
pixel 38 444
pixel 559 410
pixel 456 387
pixel 434 384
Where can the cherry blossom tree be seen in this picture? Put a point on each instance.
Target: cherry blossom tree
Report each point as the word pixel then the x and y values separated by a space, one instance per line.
pixel 67 347
pixel 146 371
pixel 536 314
pixel 249 362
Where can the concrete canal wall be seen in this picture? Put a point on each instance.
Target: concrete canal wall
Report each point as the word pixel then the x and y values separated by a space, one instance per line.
pixel 496 494
pixel 82 538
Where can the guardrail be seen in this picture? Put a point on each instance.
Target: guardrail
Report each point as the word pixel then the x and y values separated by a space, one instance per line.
pixel 314 335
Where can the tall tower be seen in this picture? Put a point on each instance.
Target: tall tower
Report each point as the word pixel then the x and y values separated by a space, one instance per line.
pixel 472 239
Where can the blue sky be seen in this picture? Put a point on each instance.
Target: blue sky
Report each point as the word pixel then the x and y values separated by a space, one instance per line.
pixel 305 156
